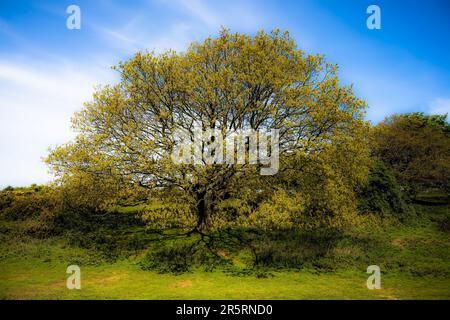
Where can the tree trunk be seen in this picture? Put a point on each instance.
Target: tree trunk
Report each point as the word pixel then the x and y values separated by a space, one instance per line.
pixel 202 210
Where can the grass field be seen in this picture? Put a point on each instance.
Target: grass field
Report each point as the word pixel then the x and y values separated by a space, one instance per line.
pixel 414 261
pixel 31 279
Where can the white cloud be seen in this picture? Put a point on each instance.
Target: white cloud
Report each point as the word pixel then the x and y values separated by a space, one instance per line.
pixel 124 40
pixel 176 37
pixel 439 106
pixel 214 14
pixel 198 19
pixel 35 110
pixel 199 10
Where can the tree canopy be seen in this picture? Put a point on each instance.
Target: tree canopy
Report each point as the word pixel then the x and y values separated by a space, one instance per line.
pixel 230 83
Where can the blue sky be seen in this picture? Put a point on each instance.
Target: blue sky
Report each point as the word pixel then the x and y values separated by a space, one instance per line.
pixel 47 71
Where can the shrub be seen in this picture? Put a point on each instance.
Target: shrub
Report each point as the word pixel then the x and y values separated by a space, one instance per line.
pixel 25 206
pixel 382 195
pixel 169 259
pixel 42 226
pixel 416 147
pixel 6 199
pixel 180 257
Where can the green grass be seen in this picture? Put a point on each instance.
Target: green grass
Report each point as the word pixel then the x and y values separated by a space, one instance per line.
pixel 414 260
pixel 34 279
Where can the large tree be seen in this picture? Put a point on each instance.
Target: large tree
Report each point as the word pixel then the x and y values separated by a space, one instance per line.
pixel 230 83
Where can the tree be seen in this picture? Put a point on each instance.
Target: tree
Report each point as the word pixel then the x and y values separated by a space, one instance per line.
pixel 417 148
pixel 229 84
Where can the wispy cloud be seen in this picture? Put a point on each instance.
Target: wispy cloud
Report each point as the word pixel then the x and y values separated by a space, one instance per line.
pixel 35 110
pixel 199 10
pixel 120 38
pixel 175 37
pixel 195 18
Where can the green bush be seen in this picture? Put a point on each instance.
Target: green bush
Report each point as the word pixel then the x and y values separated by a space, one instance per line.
pixel 25 206
pixel 181 257
pixel 382 195
pixel 6 199
pixel 170 259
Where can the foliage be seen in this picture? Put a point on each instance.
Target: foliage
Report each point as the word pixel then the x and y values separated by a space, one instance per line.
pixel 417 148
pixel 22 207
pixel 6 199
pixel 382 195
pixel 230 83
pixel 172 213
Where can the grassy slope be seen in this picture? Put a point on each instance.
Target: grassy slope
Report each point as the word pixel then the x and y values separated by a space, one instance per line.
pixel 415 265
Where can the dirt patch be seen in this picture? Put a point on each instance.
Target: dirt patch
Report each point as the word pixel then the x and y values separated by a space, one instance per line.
pixel 181 284
pixel 399 242
pixel 105 281
pixel 224 254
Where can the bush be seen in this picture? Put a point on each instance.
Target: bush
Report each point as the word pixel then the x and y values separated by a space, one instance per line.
pixel 170 259
pixel 6 199
pixel 181 257
pixel 416 147
pixel 25 206
pixel 382 195
pixel 43 226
